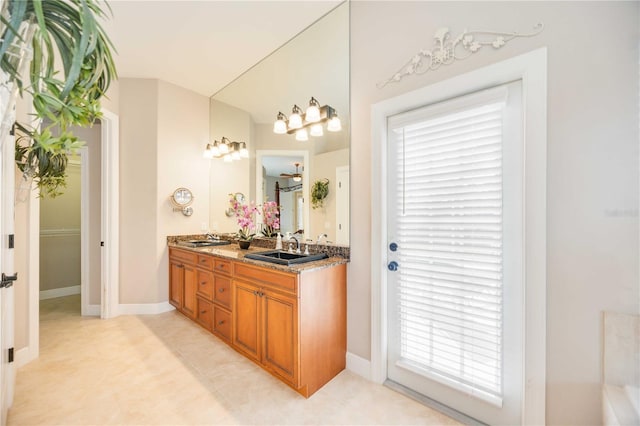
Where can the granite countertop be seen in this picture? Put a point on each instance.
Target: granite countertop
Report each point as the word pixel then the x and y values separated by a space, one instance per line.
pixel 232 251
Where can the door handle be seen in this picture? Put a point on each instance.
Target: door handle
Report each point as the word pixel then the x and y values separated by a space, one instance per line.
pixel 393 266
pixel 7 280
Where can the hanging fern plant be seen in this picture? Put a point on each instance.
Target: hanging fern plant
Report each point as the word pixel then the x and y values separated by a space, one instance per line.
pixel 319 192
pixel 69 96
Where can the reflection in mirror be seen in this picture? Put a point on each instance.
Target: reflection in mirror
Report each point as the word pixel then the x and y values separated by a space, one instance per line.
pixel 313 64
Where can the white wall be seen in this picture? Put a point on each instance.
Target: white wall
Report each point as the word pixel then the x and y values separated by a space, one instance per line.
pixel 183 128
pixel 592 192
pixel 163 131
pixel 60 235
pixel 323 220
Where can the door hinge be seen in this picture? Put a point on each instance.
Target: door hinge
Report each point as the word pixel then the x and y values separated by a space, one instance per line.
pixel 7 280
pixel 12 240
pixel 10 355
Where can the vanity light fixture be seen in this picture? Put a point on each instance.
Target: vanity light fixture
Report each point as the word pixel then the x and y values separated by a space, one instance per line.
pixel 227 150
pixel 313 118
pixel 302 135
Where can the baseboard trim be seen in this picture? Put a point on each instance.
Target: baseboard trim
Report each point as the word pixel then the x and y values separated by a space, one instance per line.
pixel 24 356
pixel 144 308
pixel 359 365
pixel 59 292
pixel 92 311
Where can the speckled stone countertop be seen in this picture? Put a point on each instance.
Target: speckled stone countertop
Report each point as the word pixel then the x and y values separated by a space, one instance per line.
pixel 232 251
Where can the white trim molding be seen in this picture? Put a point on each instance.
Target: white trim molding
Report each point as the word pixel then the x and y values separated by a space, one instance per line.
pixel 109 282
pixel 531 68
pixel 359 365
pixel 59 292
pixel 144 308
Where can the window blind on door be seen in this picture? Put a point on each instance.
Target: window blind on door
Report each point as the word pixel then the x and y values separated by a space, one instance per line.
pixel 450 233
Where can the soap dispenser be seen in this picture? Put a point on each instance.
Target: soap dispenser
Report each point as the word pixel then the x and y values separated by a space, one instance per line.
pixel 279 242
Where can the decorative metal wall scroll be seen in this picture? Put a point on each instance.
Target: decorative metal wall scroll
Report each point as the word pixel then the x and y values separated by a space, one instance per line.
pixel 447 51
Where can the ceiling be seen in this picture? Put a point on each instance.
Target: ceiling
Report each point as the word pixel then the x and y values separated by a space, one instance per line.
pixel 203 45
pixel 274 165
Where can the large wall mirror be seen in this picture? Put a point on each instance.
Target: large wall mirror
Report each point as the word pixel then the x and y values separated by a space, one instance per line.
pixel 281 168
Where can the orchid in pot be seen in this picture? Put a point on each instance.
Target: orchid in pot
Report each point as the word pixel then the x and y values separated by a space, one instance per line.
pixel 245 214
pixel 271 214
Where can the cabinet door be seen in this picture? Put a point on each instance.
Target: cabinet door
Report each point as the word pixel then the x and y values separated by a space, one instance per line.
pixel 245 318
pixel 190 288
pixel 176 283
pixel 280 334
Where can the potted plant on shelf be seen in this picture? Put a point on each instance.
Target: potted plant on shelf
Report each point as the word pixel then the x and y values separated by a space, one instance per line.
pixel 33 33
pixel 245 215
pixel 271 214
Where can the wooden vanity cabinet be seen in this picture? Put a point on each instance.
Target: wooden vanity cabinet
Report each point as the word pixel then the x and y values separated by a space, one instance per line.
pixel 183 284
pixel 293 325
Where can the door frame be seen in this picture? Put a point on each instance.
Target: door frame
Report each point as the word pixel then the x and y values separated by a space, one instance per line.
pixel 531 68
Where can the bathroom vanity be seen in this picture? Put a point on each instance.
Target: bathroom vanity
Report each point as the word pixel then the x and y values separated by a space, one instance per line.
pixel 290 320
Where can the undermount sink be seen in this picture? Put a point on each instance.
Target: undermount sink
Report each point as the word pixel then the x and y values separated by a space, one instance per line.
pixel 203 243
pixel 284 257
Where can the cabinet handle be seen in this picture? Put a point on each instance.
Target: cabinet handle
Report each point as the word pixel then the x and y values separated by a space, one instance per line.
pixel 255 292
pixel 203 283
pixel 220 322
pixel 221 290
pixel 203 312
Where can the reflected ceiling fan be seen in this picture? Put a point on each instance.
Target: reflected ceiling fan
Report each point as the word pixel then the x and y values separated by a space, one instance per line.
pixel 297 177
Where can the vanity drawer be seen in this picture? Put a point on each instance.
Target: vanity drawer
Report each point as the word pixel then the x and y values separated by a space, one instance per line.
pixel 205 284
pixel 222 266
pixel 204 313
pixel 275 279
pixel 184 256
pixel 222 323
pixel 205 262
pixel 222 291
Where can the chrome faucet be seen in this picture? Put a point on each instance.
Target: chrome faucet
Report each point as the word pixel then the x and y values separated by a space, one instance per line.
pixel 211 236
pixel 320 237
pixel 297 244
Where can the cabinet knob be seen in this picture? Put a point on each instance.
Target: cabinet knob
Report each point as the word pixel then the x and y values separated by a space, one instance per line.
pixel 220 322
pixel 203 312
pixel 221 290
pixel 203 283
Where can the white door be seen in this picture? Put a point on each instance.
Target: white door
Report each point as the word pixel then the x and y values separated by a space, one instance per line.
pixel 455 304
pixel 342 205
pixel 7 374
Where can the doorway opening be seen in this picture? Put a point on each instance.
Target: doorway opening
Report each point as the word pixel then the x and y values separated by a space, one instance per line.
pixel 70 231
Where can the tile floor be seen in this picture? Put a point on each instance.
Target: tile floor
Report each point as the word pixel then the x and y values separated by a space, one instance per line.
pixel 164 369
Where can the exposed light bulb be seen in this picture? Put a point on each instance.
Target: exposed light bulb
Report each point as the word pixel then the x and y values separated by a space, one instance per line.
pixel 295 120
pixel 334 124
pixel 301 135
pixel 316 130
pixel 312 115
pixel 280 126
